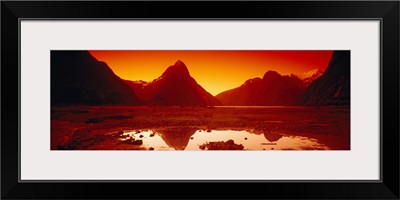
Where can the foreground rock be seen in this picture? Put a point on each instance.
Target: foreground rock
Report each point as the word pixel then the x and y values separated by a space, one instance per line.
pixel 220 145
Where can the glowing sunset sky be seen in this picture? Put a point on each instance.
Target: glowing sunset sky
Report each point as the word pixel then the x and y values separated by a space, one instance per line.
pixel 215 70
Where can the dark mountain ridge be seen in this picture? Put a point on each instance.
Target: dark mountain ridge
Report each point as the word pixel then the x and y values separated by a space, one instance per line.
pixel 175 87
pixel 77 78
pixel 333 87
pixel 272 90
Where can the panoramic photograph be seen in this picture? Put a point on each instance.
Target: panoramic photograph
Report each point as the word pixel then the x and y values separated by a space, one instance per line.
pixel 200 100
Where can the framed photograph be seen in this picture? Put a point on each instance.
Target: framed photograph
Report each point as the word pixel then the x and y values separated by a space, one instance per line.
pixel 113 99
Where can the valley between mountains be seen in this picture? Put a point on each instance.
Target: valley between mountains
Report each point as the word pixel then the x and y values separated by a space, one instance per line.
pixel 92 108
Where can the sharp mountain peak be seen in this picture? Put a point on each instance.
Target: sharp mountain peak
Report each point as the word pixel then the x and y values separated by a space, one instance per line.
pixel 179 68
pixel 270 74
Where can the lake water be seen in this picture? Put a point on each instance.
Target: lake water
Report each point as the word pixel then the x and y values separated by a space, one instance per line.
pixel 192 139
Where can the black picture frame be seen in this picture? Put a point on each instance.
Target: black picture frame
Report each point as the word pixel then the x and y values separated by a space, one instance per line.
pixel 386 11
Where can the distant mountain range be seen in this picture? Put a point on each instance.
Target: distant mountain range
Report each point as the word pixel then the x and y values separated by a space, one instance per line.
pixel 308 77
pixel 272 90
pixel 313 88
pixel 78 78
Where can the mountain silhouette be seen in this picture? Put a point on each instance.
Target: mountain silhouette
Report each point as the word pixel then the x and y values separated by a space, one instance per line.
pixel 272 90
pixel 77 78
pixel 175 87
pixel 333 87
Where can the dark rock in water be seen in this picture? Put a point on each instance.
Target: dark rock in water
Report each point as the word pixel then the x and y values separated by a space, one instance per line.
pixel 133 141
pixel 120 132
pixel 245 138
pixel 191 138
pixel 152 135
pixel 230 142
pixel 141 136
pixel 137 142
pixel 151 149
pixel 220 145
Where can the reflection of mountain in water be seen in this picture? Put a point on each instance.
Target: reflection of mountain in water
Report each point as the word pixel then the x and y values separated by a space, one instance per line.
pixel 176 138
pixel 271 137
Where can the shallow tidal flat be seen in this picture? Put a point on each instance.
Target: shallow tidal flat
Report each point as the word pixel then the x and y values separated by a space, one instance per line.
pixel 200 128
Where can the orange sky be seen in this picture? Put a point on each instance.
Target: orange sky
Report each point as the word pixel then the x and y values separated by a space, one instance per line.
pixel 215 70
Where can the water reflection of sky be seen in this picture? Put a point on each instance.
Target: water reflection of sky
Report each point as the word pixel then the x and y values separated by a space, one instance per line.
pixel 190 139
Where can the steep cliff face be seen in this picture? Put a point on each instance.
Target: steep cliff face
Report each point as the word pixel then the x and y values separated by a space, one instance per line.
pixel 333 87
pixel 77 78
